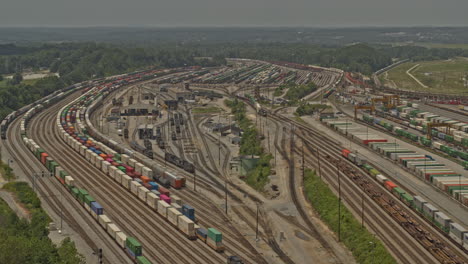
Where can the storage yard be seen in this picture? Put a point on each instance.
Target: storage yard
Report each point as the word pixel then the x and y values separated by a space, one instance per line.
pixel 149 179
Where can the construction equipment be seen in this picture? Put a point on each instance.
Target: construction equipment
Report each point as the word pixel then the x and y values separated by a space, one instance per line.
pixel 390 101
pixel 430 126
pixel 363 107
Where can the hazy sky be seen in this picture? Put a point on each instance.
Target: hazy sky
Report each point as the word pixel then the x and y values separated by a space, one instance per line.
pixel 233 12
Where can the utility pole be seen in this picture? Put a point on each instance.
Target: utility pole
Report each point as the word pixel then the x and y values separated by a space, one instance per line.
pixel 362 208
pixel 318 160
pixel 100 255
pixel 303 160
pixel 339 202
pixel 225 194
pixel 256 229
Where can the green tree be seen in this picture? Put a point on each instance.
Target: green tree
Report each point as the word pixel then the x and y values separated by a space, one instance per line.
pixel 17 78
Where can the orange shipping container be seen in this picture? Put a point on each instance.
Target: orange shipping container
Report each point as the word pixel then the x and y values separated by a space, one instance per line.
pixel 390 185
pixel 44 157
pixel 345 152
pixel 145 179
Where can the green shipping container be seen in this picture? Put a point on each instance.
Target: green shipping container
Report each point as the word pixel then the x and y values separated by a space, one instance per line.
pixel 143 260
pixel 398 191
pixel 75 192
pixel 407 198
pixel 215 235
pixel 63 174
pixel 52 166
pixel 450 189
pixel 367 167
pixel 82 194
pixel 39 152
pixel 88 199
pixel 133 245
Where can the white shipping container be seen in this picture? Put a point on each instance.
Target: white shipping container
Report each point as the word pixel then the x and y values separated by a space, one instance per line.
pixel 173 215
pixel 152 200
pixel 105 167
pixel 145 171
pixel 112 171
pixel 139 167
pixel 120 238
pixel 126 181
pixel 380 178
pixel 83 150
pixel 142 192
pixel 163 207
pixel 125 158
pixel 112 229
pixel 132 162
pixel 87 207
pixel 88 154
pixel 134 187
pixel 187 226
pixel 176 199
pixel 119 175
pixel 69 180
pixel 98 162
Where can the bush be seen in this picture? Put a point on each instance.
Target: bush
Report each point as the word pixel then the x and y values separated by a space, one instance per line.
pixel 353 235
pixel 309 109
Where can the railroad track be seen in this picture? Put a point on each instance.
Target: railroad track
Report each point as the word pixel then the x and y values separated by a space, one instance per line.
pixel 233 239
pixel 138 221
pixel 333 150
pixel 47 190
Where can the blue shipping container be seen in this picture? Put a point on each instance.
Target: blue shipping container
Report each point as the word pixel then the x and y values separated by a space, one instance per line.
pixel 154 186
pixel 97 208
pixel 188 211
pixel 202 233
pixel 139 181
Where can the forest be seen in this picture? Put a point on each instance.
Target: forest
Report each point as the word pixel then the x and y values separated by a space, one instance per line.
pixel 76 62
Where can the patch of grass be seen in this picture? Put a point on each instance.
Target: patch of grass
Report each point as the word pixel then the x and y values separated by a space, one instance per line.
pixel 6 171
pixel 399 77
pixel 258 177
pixel 442 76
pixel 357 239
pixel 205 110
pixel 309 109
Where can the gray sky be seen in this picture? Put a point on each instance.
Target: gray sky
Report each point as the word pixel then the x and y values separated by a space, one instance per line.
pixel 313 13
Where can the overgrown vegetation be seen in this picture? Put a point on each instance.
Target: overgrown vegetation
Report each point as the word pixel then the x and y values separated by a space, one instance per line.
pixel 203 110
pixel 250 145
pixel 6 171
pixel 28 242
pixel 357 239
pixel 309 109
pixel 296 92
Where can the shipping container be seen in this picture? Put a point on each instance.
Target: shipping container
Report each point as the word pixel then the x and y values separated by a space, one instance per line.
pixel 187 226
pixel 112 230
pixel 104 221
pixel 163 207
pixel 133 246
pixel 120 238
pixel 442 221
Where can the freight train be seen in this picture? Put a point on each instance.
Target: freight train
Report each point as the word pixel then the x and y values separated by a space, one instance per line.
pixel 181 163
pixel 451 229
pixel 132 175
pixel 45 101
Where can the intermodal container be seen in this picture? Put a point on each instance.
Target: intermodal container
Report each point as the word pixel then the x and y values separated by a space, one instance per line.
pixel 165 198
pixel 390 185
pixel 97 208
pixel 214 235
pixel 188 211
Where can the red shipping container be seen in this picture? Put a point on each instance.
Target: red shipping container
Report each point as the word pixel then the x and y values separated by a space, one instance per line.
pixel 367 141
pixel 62 181
pixel 176 183
pixel 164 191
pixel 104 156
pixel 147 186
pixel 345 152
pixel 129 169
pixel 44 157
pixel 137 174
pixel 390 185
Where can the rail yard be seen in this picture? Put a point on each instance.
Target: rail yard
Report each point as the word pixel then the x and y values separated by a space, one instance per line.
pixel 152 165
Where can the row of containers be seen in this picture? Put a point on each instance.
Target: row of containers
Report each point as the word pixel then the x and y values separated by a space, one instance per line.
pixel 418 119
pixel 454 230
pixel 451 151
pixel 129 244
pixel 136 178
pixel 423 166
